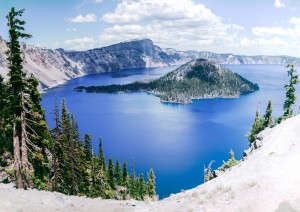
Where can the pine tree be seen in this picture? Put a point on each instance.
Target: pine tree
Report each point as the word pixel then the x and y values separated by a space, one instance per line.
pixel 118 173
pixel 17 98
pixel 133 183
pixel 39 137
pixel 98 186
pixel 57 150
pixel 267 119
pixel 290 93
pixel 5 129
pixel 110 174
pixel 256 128
pixel 102 162
pixel 231 162
pixel 151 184
pixel 88 146
pixel 141 187
pixel 125 174
pixel 75 132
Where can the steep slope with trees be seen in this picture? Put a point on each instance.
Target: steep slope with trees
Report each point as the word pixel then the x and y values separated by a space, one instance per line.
pixel 267 180
pixel 32 156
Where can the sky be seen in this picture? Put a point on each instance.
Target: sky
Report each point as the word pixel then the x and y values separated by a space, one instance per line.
pixel 246 27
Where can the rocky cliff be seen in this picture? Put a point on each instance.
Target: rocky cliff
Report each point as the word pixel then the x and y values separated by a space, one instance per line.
pixel 53 67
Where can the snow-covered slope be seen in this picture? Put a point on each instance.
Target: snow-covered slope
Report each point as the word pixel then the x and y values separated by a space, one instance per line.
pixel 268 180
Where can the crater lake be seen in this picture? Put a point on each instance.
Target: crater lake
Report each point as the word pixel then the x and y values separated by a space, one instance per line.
pixel 175 140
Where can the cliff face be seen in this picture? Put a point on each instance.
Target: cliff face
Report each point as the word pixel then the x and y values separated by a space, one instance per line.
pixel 53 67
pixel 133 54
pixel 50 66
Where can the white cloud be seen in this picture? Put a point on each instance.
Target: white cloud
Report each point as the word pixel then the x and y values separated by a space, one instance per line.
pixel 89 18
pixel 185 24
pixel 81 43
pixel 279 4
pixel 275 40
pixel 295 21
pixel 261 42
pixel 284 32
pixel 71 29
pixel 129 11
pixel 269 31
pixel 98 1
pixel 181 24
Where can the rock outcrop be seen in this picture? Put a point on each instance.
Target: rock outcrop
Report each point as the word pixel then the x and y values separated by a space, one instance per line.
pixel 54 67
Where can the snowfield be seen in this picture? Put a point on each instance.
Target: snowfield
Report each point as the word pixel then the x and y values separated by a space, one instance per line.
pixel 268 180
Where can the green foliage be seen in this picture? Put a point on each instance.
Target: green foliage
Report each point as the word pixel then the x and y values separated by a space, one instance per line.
pixel 260 124
pixel 24 131
pixel 125 175
pixel 118 174
pixel 151 184
pixel 267 120
pixel 230 163
pixel 102 162
pixel 256 128
pixel 110 174
pixel 141 187
pixel 290 93
pixel 88 146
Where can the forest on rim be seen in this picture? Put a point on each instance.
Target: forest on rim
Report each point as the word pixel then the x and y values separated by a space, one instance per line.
pixel 57 159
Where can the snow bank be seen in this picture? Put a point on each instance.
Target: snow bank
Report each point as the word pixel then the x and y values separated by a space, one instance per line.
pixel 268 180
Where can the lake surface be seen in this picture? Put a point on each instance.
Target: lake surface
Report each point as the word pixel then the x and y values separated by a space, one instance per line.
pixel 175 140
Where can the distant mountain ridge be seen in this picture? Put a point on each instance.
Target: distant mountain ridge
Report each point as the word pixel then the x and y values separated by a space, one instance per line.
pixel 54 67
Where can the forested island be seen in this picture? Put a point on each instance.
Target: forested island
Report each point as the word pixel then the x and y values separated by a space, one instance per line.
pixel 196 79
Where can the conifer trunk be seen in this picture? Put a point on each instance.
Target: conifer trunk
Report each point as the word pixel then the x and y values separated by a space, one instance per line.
pixel 25 163
pixel 17 158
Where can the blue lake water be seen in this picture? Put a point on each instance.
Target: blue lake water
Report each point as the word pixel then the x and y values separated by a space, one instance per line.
pixel 175 140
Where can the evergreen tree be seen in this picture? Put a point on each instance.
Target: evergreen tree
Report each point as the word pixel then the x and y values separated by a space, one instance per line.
pixel 5 129
pixel 118 173
pixel 98 186
pixel 75 133
pixel 88 146
pixel 102 162
pixel 57 150
pixel 17 86
pixel 256 128
pixel 231 162
pixel 110 173
pixel 39 136
pixel 290 93
pixel 133 183
pixel 267 119
pixel 151 184
pixel 141 187
pixel 29 130
pixel 125 174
